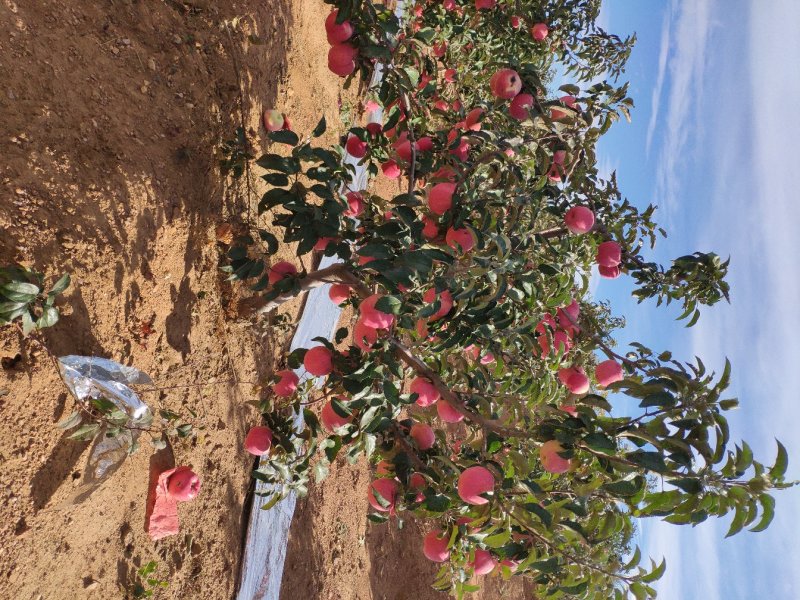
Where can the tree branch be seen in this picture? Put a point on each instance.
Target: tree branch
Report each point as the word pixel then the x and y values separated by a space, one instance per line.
pixel 257 305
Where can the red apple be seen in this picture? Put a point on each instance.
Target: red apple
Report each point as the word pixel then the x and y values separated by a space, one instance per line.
pixel 506 83
pixel 258 440
pixel 318 361
pixel 183 484
pixel 473 482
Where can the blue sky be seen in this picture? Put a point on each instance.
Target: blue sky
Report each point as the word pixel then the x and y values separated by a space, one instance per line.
pixel 713 144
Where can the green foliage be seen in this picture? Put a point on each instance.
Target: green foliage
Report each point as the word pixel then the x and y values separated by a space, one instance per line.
pixel 148 583
pixel 23 297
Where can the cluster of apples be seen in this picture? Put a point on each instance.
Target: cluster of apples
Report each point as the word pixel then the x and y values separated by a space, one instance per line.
pixel 342 57
pixel 609 259
pixel 561 328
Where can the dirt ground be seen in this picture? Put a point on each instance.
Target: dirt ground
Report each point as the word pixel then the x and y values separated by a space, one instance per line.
pixel 112 113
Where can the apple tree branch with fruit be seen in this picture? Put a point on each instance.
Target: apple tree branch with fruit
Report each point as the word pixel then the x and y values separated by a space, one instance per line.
pixel 479 375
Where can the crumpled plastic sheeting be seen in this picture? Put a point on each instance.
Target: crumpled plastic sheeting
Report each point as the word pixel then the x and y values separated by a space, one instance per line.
pixel 94 377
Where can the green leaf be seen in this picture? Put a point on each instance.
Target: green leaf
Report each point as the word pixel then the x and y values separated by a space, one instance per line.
pixel 60 285
pixel 49 317
pixel 768 507
pixel 71 421
pixel 657 572
pixel 284 136
pixel 543 514
pixel 278 179
pixel 661 399
pixel 321 471
pixel 738 521
pixel 652 461
pixel 272 502
pixel 688 485
pixel 270 240
pixel 625 487
pixel 781 463
pixel 85 432
pixel 497 540
pixel 20 291
pixel 27 323
pixel 600 443
pixel 284 164
pixel 389 305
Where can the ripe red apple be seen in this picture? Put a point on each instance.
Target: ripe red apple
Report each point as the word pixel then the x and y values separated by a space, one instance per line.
pixel 434 546
pixel 579 219
pixel 520 107
pixel 473 119
pixel 364 336
pixel 318 361
pixel 330 419
pixel 431 229
pixel 485 4
pixel 339 292
pixel 484 563
pixel 427 393
pixel 473 482
pixel 608 272
pixel 337 32
pixel 183 484
pixel 460 237
pixel 258 440
pixel 445 302
pixel 608 372
pixel 551 461
pixel 424 144
pixel 567 317
pixel 355 204
pixel 516 22
pixel 355 146
pixel 423 435
pixel 371 316
pixel 575 379
pixel 440 197
pixel 539 31
pixel 280 270
pixel 342 59
pixel 287 383
pixel 273 120
pixel 609 254
pixel 387 489
pixel 447 413
pixel 390 169
pixel 505 83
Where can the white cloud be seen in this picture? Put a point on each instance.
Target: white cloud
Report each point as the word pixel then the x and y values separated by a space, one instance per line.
pixel 655 100
pixel 748 206
pixel 690 28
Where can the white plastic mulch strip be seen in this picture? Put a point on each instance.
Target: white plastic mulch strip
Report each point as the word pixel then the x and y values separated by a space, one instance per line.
pixel 268 530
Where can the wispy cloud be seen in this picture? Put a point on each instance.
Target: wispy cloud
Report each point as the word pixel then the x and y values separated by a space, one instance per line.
pixel 655 100
pixel 690 26
pixel 747 159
